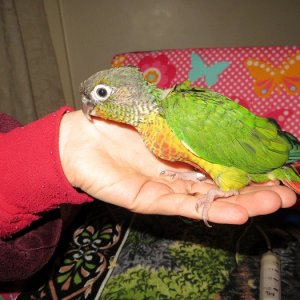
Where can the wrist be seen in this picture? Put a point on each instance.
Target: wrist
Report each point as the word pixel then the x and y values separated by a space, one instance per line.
pixel 72 132
pixel 65 134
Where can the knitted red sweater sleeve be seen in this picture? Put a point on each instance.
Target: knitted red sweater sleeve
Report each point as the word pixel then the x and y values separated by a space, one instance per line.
pixel 32 180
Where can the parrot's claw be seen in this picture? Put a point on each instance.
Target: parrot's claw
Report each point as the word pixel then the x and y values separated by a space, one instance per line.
pixel 173 175
pixel 207 200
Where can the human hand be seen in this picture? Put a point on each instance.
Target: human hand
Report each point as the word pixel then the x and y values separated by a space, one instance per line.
pixel 110 162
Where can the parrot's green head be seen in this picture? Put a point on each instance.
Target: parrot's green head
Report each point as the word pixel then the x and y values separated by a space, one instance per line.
pixel 119 94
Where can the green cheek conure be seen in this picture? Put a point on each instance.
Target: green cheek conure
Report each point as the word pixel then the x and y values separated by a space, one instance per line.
pixel 207 130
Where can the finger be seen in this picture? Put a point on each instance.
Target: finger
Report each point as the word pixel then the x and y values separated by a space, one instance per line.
pixel 185 205
pixel 169 203
pixel 237 209
pixel 267 183
pixel 253 203
pixel 224 211
pixel 232 210
pixel 286 195
pixel 257 202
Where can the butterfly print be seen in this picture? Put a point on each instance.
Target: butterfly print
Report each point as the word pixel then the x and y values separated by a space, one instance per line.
pixel 208 74
pixel 268 79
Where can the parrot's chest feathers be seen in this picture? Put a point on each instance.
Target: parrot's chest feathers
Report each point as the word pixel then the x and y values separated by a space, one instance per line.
pixel 163 143
pixel 161 140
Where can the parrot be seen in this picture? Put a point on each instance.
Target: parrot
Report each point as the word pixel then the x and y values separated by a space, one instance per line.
pixel 222 140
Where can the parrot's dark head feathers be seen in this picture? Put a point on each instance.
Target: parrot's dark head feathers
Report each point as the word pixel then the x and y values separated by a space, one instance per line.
pixel 119 94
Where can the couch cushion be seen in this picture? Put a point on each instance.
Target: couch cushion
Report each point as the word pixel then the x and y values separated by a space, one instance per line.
pixel 266 80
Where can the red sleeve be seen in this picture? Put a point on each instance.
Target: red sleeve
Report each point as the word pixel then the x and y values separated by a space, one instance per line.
pixel 32 180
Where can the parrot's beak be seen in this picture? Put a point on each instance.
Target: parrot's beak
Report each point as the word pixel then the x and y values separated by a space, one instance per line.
pixel 87 106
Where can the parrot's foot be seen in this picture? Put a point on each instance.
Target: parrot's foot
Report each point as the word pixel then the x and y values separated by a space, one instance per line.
pixel 207 200
pixel 193 176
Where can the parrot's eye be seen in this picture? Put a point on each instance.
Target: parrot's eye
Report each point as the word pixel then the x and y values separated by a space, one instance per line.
pixel 101 92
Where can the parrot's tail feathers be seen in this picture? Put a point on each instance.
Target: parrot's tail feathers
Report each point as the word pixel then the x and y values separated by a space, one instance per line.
pixel 292 184
pixel 294 154
pixel 289 176
pixel 294 143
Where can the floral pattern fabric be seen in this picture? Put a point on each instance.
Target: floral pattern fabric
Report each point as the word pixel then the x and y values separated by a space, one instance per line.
pixel 157 70
pixel 84 258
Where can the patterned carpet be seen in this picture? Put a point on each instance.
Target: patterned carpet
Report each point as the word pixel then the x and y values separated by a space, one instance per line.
pixel 109 253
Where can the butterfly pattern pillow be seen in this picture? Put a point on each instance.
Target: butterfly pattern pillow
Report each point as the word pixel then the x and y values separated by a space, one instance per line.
pixel 266 80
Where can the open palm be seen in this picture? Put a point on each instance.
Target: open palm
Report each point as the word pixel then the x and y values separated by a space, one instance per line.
pixel 110 162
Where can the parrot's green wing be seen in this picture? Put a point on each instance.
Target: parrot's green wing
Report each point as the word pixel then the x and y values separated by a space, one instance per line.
pixel 221 131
